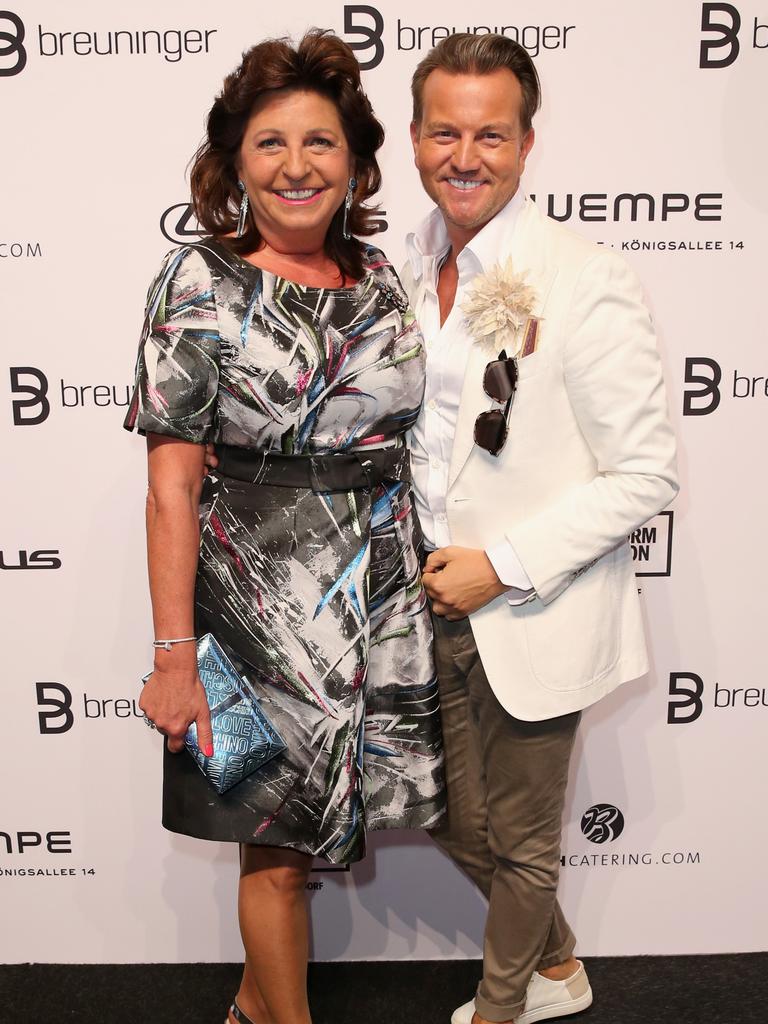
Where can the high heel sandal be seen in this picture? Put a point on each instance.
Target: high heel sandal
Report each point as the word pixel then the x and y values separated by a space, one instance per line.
pixel 238 1014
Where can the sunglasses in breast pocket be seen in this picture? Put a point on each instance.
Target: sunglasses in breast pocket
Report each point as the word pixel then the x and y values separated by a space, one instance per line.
pixel 499 383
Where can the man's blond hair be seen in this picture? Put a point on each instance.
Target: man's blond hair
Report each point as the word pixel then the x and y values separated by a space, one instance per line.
pixel 468 54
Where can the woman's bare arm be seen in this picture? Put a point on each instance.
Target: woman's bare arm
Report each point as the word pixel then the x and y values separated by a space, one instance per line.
pixel 174 696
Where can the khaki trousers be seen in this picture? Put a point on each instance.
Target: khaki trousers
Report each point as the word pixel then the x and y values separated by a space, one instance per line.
pixel 506 783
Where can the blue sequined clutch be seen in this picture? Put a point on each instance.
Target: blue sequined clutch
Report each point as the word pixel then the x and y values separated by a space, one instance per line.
pixel 244 739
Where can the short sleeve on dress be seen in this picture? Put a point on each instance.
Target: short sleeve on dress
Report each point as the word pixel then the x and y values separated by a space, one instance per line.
pixel 177 370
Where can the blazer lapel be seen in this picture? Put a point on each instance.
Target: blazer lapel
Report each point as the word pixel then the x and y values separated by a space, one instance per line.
pixel 526 249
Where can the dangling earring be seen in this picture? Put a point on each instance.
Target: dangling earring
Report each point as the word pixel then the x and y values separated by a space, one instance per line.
pixel 243 217
pixel 352 185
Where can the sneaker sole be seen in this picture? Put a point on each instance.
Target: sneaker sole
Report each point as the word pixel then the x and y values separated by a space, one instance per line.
pixel 554 1010
pixel 456 1019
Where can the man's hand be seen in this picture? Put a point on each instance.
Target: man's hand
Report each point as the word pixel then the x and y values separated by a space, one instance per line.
pixel 211 462
pixel 459 581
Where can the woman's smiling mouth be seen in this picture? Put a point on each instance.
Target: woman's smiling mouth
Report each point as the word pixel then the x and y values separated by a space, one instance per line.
pixel 298 196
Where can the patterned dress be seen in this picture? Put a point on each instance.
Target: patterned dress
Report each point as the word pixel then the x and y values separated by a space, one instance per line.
pixel 316 596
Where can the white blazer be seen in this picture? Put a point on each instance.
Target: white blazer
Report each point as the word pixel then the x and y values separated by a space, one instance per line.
pixel 590 457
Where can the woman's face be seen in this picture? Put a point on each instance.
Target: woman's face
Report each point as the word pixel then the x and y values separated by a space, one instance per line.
pixel 295 163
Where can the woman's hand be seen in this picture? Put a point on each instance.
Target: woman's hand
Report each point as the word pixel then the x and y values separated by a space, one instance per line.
pixel 211 462
pixel 173 698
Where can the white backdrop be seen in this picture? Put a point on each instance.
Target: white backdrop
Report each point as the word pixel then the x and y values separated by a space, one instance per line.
pixel 96 145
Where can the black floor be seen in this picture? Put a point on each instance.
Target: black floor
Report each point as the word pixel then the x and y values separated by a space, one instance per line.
pixel 628 990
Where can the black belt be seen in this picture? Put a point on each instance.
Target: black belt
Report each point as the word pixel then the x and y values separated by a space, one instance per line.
pixel 323 474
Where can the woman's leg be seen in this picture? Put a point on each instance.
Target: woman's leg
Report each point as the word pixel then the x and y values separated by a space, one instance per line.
pixel 272 907
pixel 250 1000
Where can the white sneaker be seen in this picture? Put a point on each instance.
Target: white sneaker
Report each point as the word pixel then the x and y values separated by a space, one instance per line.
pixel 544 999
pixel 464 1013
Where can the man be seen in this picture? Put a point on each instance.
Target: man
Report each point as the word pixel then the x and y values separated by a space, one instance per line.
pixel 535 605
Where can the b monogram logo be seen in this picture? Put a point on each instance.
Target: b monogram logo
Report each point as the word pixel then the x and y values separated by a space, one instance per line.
pixel 12 45
pixel 59 699
pixel 370 37
pixel 728 31
pixel 37 395
pixel 602 823
pixel 685 691
pixel 709 392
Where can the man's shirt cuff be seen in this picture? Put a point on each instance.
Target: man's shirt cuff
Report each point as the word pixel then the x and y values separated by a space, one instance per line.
pixel 510 571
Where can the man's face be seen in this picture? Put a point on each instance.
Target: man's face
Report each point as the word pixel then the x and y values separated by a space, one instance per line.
pixel 469 148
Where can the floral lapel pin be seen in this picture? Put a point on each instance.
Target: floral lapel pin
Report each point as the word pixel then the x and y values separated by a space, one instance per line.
pixel 498 308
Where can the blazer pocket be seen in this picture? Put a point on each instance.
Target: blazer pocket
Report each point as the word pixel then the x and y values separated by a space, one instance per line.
pixel 574 640
pixel 530 366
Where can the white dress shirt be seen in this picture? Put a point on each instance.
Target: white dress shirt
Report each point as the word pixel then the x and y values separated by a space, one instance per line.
pixel 448 348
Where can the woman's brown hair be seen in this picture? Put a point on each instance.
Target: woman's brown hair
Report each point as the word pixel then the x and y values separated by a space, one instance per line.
pixel 321 63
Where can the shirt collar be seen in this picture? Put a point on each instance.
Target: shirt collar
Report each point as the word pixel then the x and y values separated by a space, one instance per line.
pixel 430 239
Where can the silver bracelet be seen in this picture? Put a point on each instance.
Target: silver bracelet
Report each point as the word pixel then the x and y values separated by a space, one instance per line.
pixel 167 644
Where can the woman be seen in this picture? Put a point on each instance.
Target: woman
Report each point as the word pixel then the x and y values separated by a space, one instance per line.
pixel 289 344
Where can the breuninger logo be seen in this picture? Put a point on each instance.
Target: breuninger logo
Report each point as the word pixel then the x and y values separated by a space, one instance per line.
pixel 35 408
pixel 170 43
pixel 686 697
pixel 56 712
pixel 13 55
pixel 364 32
pixel 724 22
pixel 707 374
